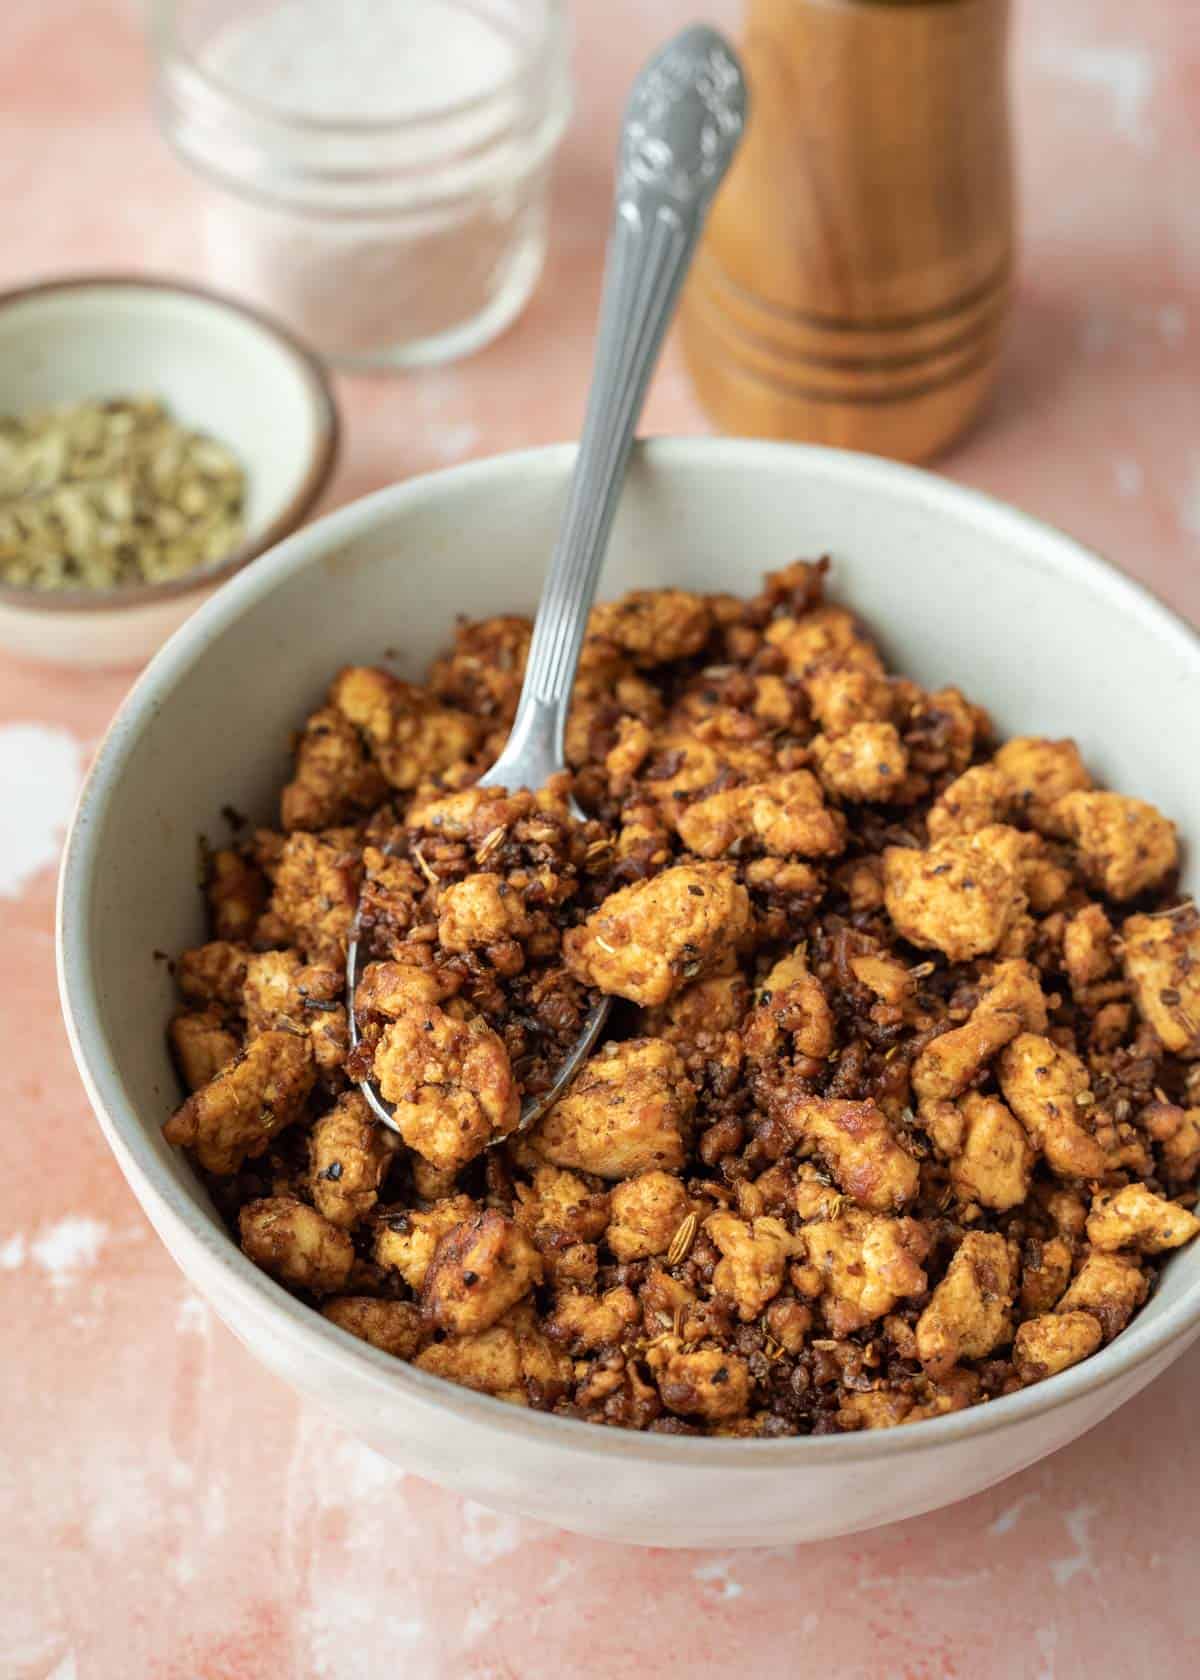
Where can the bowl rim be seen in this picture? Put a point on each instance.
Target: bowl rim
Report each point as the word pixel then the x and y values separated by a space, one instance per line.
pixel 321 1343
pixel 322 461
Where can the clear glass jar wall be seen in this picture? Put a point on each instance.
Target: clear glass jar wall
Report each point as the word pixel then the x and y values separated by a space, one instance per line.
pixel 379 168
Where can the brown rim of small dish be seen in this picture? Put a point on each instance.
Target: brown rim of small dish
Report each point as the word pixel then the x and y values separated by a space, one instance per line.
pixel 323 461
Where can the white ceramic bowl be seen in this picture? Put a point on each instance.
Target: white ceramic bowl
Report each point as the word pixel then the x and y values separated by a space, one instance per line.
pixel 220 368
pixel 956 586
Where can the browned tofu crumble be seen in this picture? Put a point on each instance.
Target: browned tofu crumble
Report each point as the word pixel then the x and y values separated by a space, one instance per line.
pixel 899 1108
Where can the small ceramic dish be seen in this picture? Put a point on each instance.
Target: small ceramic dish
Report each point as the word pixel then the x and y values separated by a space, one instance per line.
pixel 1043 633
pixel 220 368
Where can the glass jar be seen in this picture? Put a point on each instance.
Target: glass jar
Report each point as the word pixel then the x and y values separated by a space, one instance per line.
pixel 380 168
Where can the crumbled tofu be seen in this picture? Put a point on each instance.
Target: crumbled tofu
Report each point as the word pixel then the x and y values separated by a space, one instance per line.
pixel 1109 1286
pixel 201 1044
pixel 349 1153
pixel 479 1270
pixel 1044 1346
pixel 391 989
pixel 1162 964
pixel 653 626
pixel 968 1314
pixel 1087 947
pixel 560 1213
pixel 891 982
pixel 1039 773
pixel 1047 883
pixel 478 911
pixel 756 1254
pixel 631 749
pixel 791 1007
pixel 957 896
pixel 646 1213
pixel 315 896
pixel 284 993
pixel 1010 1002
pixel 1045 1273
pixel 296 1244
pixel 867 762
pixel 688 761
pixel 944 1124
pixel 1124 846
pixel 584 1323
pixel 702 1013
pixel 213 973
pixel 512 1360
pixel 856 1143
pixel 1135 1218
pixel 483 671
pixel 410 735
pixel 392 1326
pixel 700 1382
pixel 1177 1132
pixel 875 1409
pixel 996 1162
pixel 270 993
pixel 406 1242
pixel 867 1264
pixel 789 1323
pixel 449 1081
pixel 786 815
pixel 246 1103
pixel 978 798
pixel 778 702
pixel 625 1113
pixel 648 940
pixel 605 693
pixel 334 780
pixel 236 891
pixel 826 635
pixel 1042 1083
pixel 842 695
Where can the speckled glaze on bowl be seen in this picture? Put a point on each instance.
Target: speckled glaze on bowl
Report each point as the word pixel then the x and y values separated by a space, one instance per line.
pixel 220 367
pixel 957 587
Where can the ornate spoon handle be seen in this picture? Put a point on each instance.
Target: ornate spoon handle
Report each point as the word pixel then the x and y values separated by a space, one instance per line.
pixel 682 125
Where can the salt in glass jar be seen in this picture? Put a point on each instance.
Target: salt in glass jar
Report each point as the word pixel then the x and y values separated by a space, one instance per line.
pixel 379 168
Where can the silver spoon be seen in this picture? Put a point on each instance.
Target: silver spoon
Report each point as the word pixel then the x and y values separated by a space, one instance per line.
pixel 682 126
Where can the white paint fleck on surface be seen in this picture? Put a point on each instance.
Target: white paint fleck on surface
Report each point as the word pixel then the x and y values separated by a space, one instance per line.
pixel 40 772
pixel 12 1253
pixel 451 442
pixel 215 1513
pixel 1130 477
pixel 122 1503
pixel 488 1535
pixel 1125 74
pixel 717 1575
pixel 67 1669
pixel 1078 1525
pixel 1010 1517
pixel 1172 323
pixel 479 1620
pixel 559 1575
pixel 1189 505
pixel 71 1246
pixel 362 1473
pixel 194 1316
pixel 1096 332
pixel 1047 1644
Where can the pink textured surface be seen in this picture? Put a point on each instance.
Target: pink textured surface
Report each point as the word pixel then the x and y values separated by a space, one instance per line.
pixel 172 1512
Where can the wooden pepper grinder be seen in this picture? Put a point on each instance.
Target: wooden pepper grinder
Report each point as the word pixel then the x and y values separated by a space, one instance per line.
pixel 854 280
